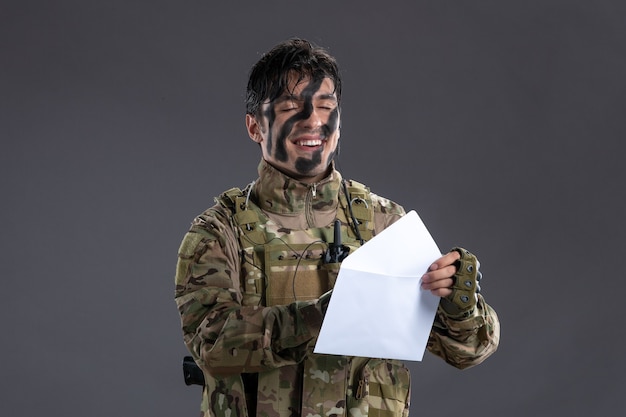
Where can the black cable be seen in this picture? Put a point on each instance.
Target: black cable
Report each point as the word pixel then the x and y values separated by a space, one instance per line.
pixel 355 223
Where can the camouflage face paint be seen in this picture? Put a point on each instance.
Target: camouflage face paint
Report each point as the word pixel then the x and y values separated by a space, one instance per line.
pixel 307 109
pixel 270 115
pixel 302 165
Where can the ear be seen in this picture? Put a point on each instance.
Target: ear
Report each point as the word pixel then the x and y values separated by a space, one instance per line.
pixel 254 128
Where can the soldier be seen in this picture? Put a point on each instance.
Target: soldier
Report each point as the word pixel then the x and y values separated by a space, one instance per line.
pixel 254 275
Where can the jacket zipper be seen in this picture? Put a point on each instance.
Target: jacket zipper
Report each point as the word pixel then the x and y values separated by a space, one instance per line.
pixel 309 204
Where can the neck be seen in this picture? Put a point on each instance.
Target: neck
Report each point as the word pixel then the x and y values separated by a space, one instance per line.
pixel 303 178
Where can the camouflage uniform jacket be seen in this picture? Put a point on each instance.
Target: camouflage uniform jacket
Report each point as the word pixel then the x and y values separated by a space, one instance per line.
pixel 250 321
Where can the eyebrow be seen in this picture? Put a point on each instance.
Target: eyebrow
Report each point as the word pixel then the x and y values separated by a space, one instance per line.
pixel 330 96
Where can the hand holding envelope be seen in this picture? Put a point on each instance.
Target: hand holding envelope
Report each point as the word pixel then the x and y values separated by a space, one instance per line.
pixel 377 308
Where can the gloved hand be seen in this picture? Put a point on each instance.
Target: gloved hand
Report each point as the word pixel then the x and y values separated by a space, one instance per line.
pixel 466 286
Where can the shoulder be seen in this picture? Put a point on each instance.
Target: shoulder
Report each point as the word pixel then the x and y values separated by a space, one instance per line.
pixel 385 211
pixel 387 206
pixel 216 221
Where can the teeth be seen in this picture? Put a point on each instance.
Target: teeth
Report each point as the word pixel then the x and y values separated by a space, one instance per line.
pixel 309 142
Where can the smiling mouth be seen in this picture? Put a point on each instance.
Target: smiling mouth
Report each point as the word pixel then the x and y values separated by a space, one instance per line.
pixel 309 143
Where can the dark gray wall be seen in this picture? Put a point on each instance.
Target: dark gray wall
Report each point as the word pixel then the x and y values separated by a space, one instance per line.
pixel 500 122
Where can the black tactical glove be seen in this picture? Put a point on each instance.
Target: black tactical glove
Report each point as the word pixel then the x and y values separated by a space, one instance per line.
pixel 462 301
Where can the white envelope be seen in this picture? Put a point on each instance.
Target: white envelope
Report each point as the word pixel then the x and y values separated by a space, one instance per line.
pixel 377 308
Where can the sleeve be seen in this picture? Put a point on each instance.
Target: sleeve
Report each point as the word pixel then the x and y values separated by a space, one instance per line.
pixel 468 342
pixel 223 336
pixel 461 343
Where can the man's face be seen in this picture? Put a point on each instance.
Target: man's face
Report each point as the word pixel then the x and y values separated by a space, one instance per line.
pixel 299 131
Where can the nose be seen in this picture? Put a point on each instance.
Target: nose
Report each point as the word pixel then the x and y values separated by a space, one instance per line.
pixel 314 119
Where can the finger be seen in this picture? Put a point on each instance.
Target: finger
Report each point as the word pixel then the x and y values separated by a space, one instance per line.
pixel 439 274
pixel 439 284
pixel 446 260
pixel 441 292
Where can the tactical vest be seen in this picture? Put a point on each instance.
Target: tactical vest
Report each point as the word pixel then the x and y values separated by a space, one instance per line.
pixel 293 258
pixel 282 266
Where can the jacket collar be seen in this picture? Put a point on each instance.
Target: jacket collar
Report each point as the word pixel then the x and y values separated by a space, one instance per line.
pixel 278 193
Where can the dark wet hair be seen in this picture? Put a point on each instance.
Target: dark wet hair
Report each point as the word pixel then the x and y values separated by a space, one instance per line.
pixel 269 77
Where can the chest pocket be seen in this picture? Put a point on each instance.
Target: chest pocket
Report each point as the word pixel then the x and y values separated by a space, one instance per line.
pixel 296 273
